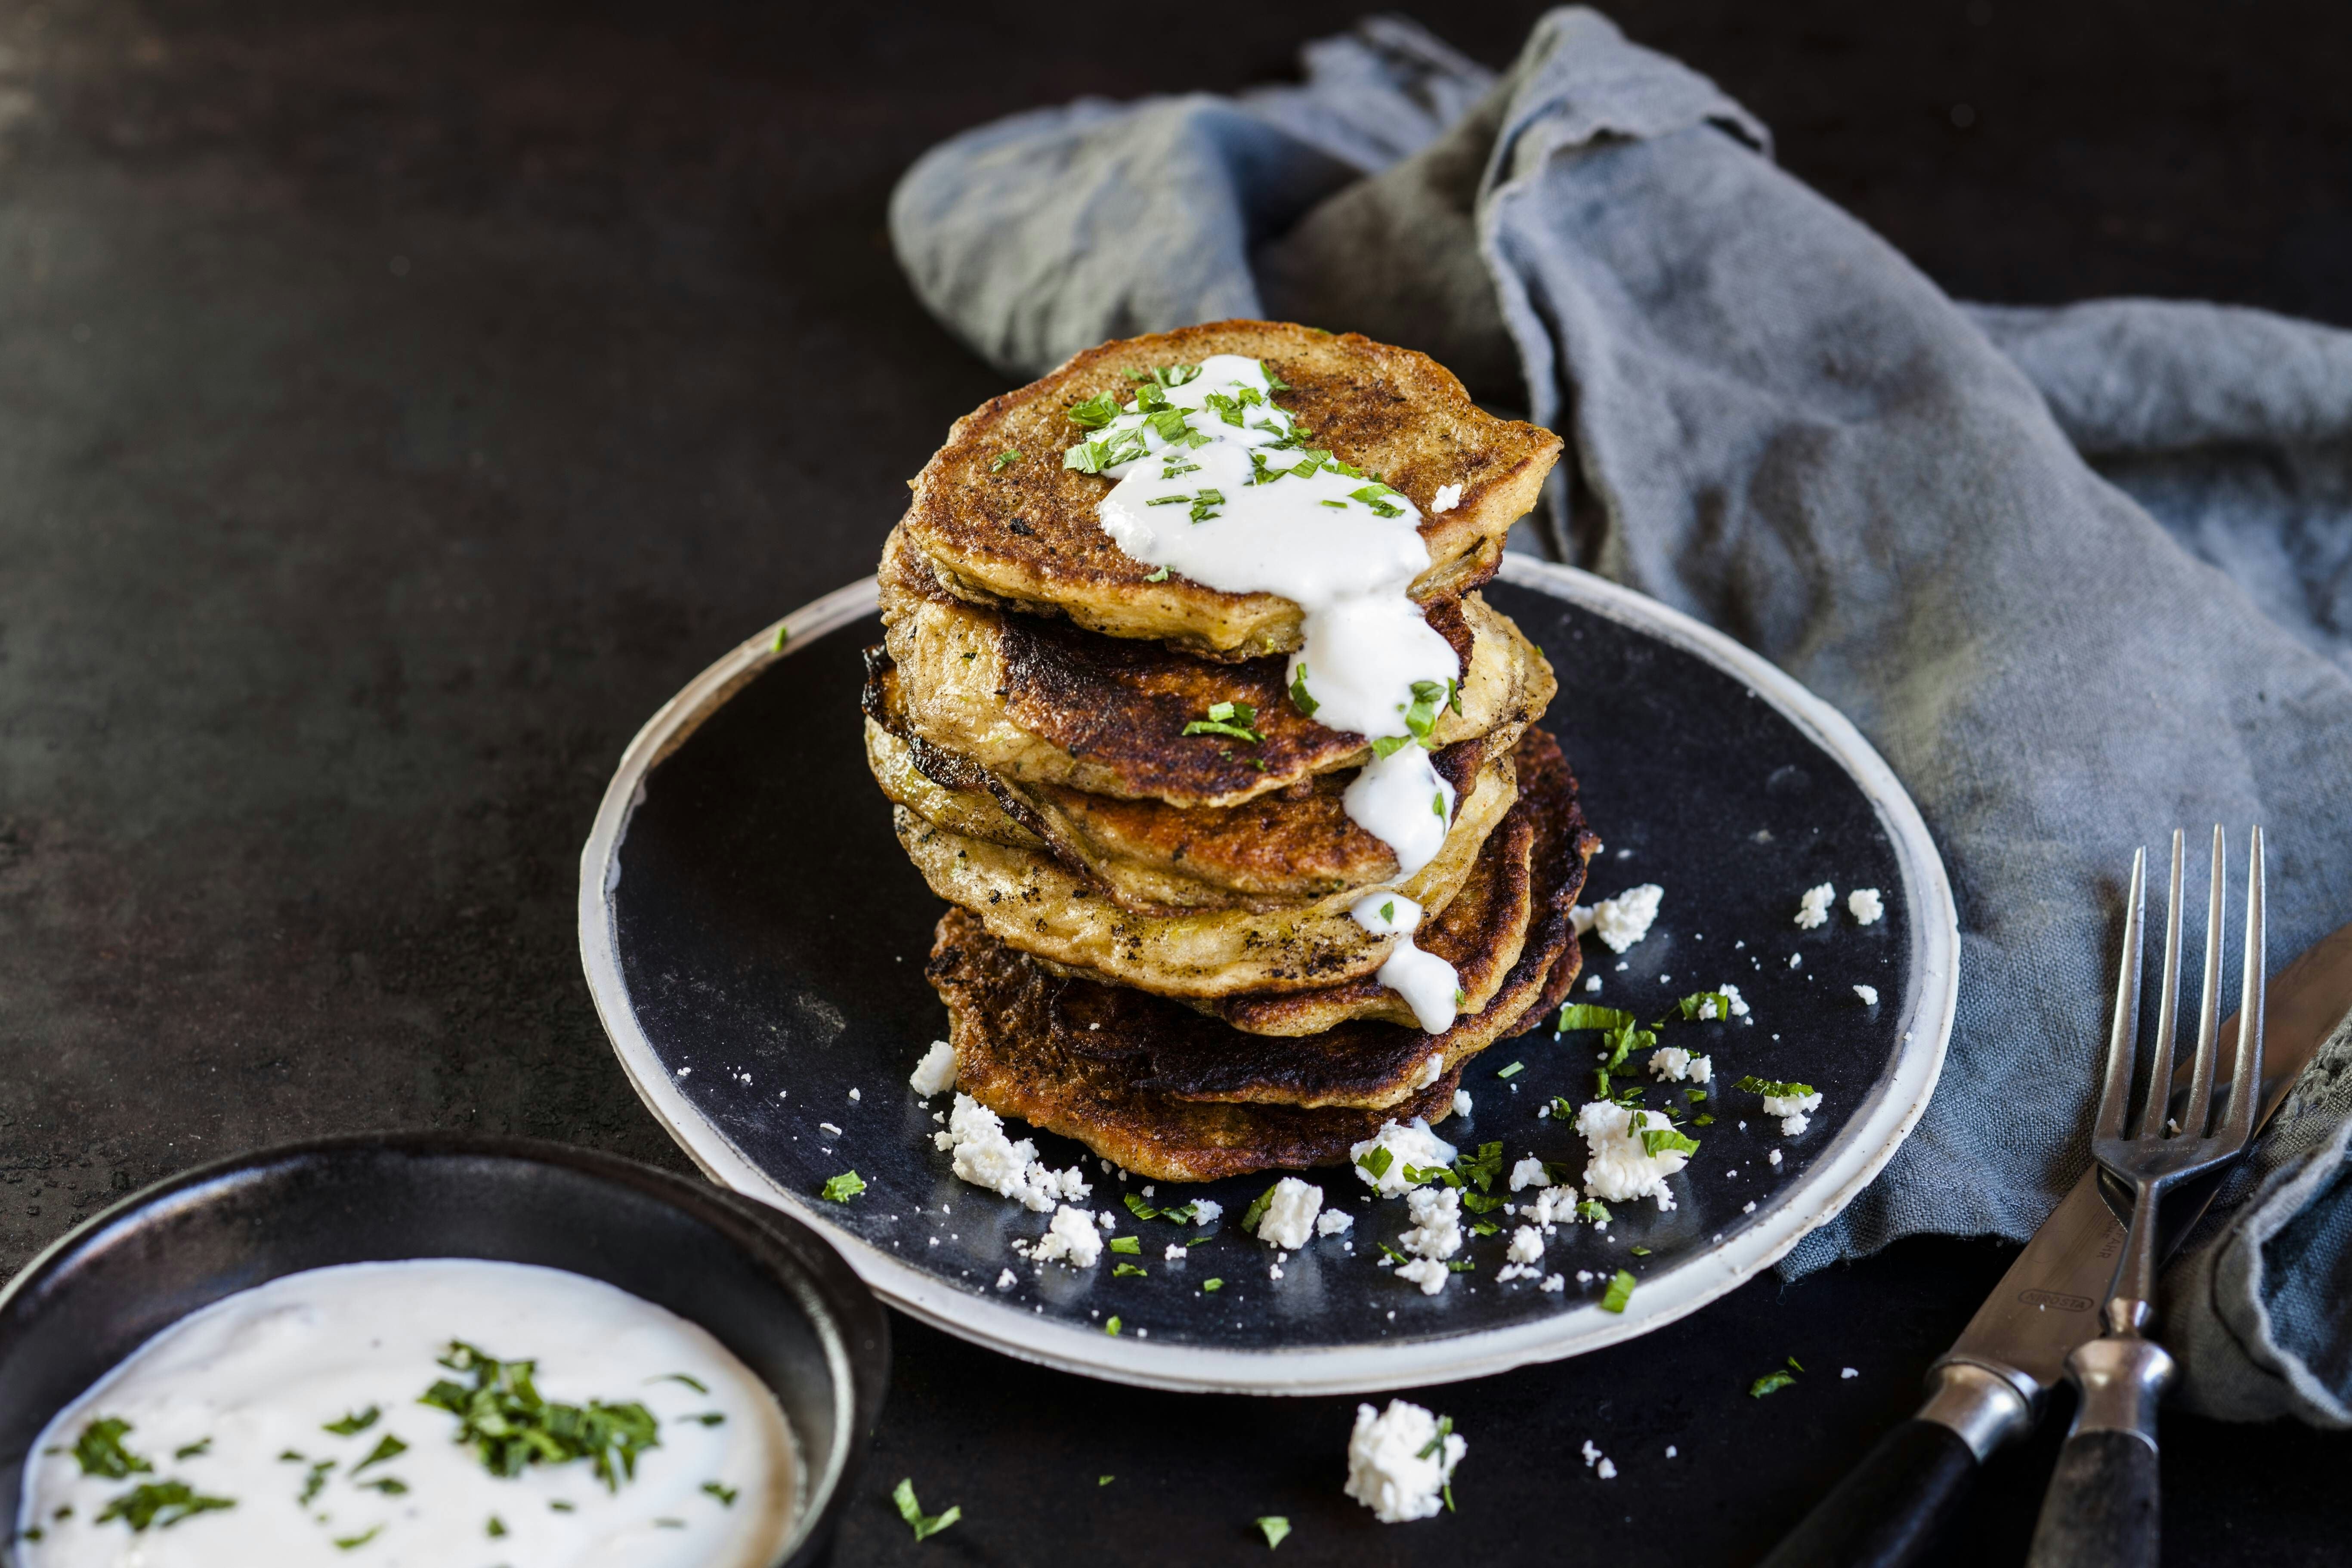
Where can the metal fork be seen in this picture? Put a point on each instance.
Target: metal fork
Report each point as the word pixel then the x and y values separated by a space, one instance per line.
pixel 2101 1508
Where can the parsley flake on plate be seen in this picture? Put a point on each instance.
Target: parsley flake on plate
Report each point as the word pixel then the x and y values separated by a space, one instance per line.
pixel 843 1187
pixel 925 1525
pixel 1275 1529
pixel 1620 1292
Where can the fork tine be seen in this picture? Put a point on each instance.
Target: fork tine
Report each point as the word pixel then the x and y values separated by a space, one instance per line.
pixel 2209 1014
pixel 2246 1068
pixel 2115 1095
pixel 2159 1070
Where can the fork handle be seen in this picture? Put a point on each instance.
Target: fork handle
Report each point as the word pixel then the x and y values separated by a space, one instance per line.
pixel 2102 1508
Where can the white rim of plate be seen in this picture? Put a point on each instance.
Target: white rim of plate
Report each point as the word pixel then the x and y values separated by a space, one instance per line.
pixel 1859 1151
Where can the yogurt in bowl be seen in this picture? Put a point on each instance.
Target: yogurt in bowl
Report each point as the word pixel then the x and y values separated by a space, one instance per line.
pixel 416 1415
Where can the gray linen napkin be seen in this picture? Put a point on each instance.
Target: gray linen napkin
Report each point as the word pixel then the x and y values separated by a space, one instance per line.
pixel 2079 574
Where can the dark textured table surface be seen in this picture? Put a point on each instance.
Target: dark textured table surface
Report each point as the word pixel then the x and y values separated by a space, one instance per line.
pixel 397 402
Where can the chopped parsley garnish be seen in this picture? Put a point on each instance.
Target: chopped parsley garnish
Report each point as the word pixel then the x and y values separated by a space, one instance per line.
pixel 1708 1005
pixel 783 635
pixel 1773 1089
pixel 1274 1527
pixel 496 1527
pixel 1704 1118
pixel 160 1505
pixel 1437 805
pixel 511 1426
pixel 391 1448
pixel 1594 1210
pixel 389 1486
pixel 1096 412
pixel 1138 1207
pixel 347 1542
pixel 1695 1095
pixel 1378 1162
pixel 1485 1227
pixel 1388 911
pixel 316 1481
pixel 1482 1167
pixel 1212 1285
pixel 1513 1070
pixel 695 1384
pixel 1420 1174
pixel 1376 495
pixel 1298 697
pixel 352 1425
pixel 1584 1016
pixel 1232 719
pixel 1620 1292
pixel 1205 504
pixel 1461 1266
pixel 1437 1442
pixel 560 1505
pixel 1104 1480
pixel 1386 746
pixel 1639 1251
pixel 1773 1382
pixel 1005 459
pixel 1126 1244
pixel 194 1451
pixel 1481 1203
pixel 705 1418
pixel 1122 1270
pixel 1795 1363
pixel 1428 698
pixel 1657 1141
pixel 1112 1327
pixel 1256 1211
pixel 1159 576
pixel 843 1187
pixel 1561 1110
pixel 725 1494
pixel 1390 1253
pixel 100 1451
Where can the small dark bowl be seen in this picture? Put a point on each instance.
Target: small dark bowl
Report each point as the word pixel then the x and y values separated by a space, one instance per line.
pixel 776 1296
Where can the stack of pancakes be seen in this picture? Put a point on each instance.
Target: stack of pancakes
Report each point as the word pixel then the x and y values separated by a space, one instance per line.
pixel 1150 949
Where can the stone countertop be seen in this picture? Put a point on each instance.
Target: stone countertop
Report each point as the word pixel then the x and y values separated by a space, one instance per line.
pixel 397 403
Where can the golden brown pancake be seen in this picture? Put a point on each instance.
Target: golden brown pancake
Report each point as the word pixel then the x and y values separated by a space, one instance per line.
pixel 1277 850
pixel 1040 701
pixel 1505 932
pixel 1024 534
pixel 1024 1049
pixel 1031 900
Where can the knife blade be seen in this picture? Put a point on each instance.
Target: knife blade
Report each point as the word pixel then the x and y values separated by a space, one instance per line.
pixel 1992 1385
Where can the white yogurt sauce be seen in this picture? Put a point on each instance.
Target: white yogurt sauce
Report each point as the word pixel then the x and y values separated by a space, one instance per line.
pixel 235 1401
pixel 1427 983
pixel 1233 498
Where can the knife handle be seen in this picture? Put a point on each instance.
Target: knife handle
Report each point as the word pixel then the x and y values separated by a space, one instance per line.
pixel 2102 1507
pixel 1891 1507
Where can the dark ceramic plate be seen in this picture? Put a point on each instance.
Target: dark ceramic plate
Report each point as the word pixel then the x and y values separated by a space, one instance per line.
pixel 770 1291
pixel 755 941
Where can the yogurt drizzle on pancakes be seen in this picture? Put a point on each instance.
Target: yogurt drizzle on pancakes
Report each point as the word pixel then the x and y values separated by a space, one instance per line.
pixel 1216 482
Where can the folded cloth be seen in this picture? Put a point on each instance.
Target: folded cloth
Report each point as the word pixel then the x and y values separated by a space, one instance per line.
pixel 2079 574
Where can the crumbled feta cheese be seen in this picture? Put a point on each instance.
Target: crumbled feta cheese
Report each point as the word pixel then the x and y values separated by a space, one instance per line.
pixel 1331 1222
pixel 1865 906
pixel 1436 1215
pixel 1555 1283
pixel 1510 1271
pixel 1447 498
pixel 1584 1276
pixel 1796 961
pixel 935 1072
pixel 1793 1110
pixel 1750 1208
pixel 1461 1102
pixel 1670 1451
pixel 1427 1272
pixel 1398 1465
pixel 1579 916
pixel 1290 1217
pixel 1071 1237
pixel 1005 1280
pixel 1108 1220
pixel 1626 919
pixel 1553 1205
pixel 1774 1156
pixel 1849 1372
pixel 1592 1454
pixel 1606 1469
pixel 854 1095
pixel 1431 1070
pixel 1205 1212
pixel 1869 994
pixel 1415 1145
pixel 1813 908
pixel 986 1158
pixel 1593 983
pixel 1176 1252
pixel 1679 1066
pixel 1739 1003
pixel 1619 1168
pixel 1273 1271
pixel 828 1127
pixel 1529 1172
pixel 1526 1245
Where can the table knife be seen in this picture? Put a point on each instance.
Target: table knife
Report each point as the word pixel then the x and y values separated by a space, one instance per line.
pixel 1991 1387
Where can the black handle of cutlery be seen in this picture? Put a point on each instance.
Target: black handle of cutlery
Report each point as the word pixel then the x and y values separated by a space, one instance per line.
pixel 1889 1507
pixel 2101 1508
